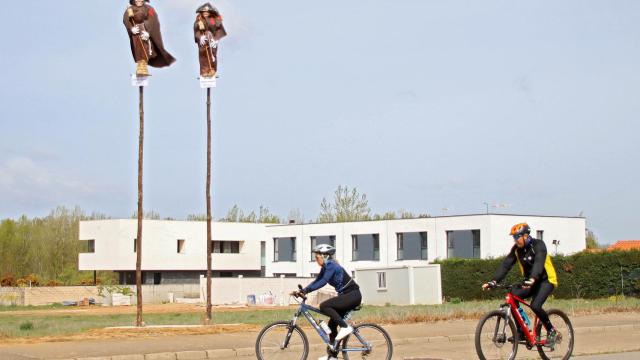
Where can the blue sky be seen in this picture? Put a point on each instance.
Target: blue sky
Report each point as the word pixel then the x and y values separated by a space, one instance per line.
pixel 422 105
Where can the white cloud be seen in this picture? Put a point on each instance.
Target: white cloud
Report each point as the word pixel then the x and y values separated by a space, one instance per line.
pixel 25 183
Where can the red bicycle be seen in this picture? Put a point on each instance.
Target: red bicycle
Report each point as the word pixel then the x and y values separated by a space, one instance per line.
pixel 497 336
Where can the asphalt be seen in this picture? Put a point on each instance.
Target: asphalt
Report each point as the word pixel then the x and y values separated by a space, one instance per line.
pixel 595 334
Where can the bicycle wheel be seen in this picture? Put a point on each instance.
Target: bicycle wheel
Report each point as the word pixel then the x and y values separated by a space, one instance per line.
pixel 496 338
pixel 270 344
pixel 565 340
pixel 372 337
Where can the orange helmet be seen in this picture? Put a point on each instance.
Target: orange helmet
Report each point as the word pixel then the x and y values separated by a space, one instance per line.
pixel 518 230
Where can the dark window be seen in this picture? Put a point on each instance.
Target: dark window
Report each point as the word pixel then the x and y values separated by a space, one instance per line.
pixel 365 247
pixel 226 247
pixel 135 243
pixel 87 246
pixel 412 246
pixel 285 274
pixel 382 280
pixel 463 244
pixel 284 249
pixel 540 234
pixel 317 240
pixel 263 253
pixel 157 278
pixel 180 246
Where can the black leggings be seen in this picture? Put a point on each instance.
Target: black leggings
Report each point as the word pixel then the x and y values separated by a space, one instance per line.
pixel 539 293
pixel 338 306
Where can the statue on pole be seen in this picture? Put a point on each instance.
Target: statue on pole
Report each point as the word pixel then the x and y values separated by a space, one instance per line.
pixel 208 30
pixel 143 27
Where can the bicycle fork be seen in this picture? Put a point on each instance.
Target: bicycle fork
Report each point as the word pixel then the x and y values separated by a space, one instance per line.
pixel 292 326
pixel 499 336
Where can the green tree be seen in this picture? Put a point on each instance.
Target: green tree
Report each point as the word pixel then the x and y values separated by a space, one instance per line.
pixel 348 205
pixel 592 240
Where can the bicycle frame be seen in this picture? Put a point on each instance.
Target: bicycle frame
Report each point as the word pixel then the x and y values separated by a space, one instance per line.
pixel 530 335
pixel 305 310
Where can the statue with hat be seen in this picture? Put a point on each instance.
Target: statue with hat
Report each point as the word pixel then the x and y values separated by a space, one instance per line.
pixel 208 30
pixel 143 27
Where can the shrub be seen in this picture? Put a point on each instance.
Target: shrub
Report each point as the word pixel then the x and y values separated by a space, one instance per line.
pixel 582 275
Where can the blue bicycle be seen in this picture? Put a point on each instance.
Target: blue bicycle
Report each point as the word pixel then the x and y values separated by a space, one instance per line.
pixel 287 340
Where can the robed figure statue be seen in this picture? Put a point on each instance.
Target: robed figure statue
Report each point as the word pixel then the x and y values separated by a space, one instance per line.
pixel 208 30
pixel 143 27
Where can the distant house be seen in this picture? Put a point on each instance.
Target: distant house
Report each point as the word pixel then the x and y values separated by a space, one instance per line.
pixel 625 245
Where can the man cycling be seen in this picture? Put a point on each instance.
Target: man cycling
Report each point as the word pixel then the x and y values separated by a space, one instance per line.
pixel 538 271
pixel 348 298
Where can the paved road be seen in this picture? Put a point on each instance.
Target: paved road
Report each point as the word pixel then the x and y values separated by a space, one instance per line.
pixel 443 340
pixel 634 355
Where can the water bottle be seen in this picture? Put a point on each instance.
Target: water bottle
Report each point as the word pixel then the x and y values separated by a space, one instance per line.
pixel 524 316
pixel 325 327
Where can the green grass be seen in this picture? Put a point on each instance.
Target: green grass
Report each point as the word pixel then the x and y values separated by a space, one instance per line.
pixel 35 325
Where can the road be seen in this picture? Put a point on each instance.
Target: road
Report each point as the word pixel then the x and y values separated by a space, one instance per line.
pixel 595 334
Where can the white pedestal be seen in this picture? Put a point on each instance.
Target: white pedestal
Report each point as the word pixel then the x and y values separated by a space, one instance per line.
pixel 138 81
pixel 207 82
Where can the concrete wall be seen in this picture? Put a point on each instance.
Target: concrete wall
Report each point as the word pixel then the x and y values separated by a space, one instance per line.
pixel 236 290
pixel 407 285
pixel 114 242
pixel 46 295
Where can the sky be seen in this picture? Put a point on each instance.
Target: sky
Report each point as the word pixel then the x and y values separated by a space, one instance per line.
pixel 437 107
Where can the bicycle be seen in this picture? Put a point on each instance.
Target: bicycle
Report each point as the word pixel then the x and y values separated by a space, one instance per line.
pixel 494 344
pixel 287 340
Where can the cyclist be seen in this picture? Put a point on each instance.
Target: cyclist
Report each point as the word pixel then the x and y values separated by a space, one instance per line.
pixel 540 275
pixel 348 298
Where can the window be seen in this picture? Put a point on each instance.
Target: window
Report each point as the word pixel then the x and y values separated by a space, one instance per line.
pixel 382 280
pixel 180 246
pixel 365 247
pixel 317 240
pixel 226 247
pixel 87 246
pixel 135 243
pixel 540 234
pixel 284 274
pixel 412 246
pixel 284 249
pixel 463 244
pixel 263 253
pixel 157 278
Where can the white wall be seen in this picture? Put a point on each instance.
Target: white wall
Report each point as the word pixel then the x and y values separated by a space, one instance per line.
pixel 407 285
pixel 114 242
pixel 114 245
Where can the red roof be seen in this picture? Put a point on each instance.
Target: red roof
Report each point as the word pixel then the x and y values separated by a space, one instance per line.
pixel 625 245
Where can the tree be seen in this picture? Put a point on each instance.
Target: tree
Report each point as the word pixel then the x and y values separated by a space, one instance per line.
pixel 348 205
pixel 592 240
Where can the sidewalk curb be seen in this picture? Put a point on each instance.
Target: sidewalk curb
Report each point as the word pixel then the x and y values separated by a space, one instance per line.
pixel 249 351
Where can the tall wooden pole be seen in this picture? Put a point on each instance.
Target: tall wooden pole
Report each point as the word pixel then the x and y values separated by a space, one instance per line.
pixel 209 240
pixel 139 321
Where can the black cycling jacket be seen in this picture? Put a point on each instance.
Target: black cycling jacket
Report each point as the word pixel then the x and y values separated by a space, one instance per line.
pixel 533 260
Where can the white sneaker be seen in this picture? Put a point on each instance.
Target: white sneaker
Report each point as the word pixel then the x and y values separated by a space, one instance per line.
pixel 327 357
pixel 344 332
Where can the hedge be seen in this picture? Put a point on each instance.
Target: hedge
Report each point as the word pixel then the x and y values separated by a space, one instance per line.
pixel 582 275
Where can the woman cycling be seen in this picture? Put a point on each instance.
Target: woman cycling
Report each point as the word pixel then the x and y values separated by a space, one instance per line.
pixel 348 298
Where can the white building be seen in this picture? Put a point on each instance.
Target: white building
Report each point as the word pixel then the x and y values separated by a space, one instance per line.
pixel 175 251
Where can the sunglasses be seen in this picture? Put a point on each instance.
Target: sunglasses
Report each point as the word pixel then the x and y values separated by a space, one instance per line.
pixel 516 237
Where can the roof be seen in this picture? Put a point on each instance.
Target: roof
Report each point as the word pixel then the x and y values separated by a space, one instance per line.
pixel 625 245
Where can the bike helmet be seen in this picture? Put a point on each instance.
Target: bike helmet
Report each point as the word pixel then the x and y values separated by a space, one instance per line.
pixel 518 230
pixel 325 250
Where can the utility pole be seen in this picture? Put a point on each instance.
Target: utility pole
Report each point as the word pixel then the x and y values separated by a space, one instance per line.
pixel 208 191
pixel 139 321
